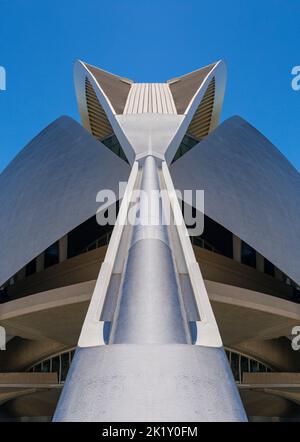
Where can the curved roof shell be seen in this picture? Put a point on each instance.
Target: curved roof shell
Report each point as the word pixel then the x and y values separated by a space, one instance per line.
pixel 50 188
pixel 250 188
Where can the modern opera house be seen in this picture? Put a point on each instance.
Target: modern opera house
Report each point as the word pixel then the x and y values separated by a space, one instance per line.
pixel 144 321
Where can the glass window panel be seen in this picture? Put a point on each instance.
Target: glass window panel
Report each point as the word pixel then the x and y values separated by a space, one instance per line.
pixel 244 365
pixel 261 368
pixel 46 366
pixel 55 365
pixel 235 366
pixel 269 268
pixel 254 366
pixel 30 268
pixel 248 255
pixel 113 144
pixel 64 366
pixel 51 255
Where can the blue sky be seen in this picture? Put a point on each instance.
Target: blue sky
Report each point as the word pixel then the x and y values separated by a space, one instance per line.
pixel 149 41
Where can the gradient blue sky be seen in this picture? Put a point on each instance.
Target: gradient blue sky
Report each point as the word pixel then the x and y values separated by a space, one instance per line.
pixel 149 41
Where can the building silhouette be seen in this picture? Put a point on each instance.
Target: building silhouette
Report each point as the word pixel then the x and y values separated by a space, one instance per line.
pixel 154 322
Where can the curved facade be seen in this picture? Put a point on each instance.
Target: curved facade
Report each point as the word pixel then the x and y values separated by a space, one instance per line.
pixel 41 196
pixel 250 188
pixel 151 312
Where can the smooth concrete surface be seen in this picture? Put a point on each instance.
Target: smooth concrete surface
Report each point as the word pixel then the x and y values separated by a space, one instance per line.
pixel 250 188
pixel 50 188
pixel 157 383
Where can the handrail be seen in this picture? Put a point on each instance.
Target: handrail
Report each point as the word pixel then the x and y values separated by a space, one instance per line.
pixel 204 244
pixel 102 240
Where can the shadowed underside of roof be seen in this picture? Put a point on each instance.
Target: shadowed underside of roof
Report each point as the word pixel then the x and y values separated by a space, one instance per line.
pixel 115 88
pixel 100 126
pixel 184 88
pixel 200 124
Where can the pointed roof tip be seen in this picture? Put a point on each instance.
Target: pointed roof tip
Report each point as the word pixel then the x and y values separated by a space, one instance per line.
pixel 219 62
pixel 222 62
pixel 94 69
pixel 185 87
pixel 78 62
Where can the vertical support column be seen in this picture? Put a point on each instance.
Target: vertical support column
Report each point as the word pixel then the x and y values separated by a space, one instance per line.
pixel 40 260
pixel 278 274
pixel 237 248
pixel 63 248
pixel 260 262
pixel 21 274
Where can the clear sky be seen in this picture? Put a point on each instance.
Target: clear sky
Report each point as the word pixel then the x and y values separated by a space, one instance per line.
pixel 149 40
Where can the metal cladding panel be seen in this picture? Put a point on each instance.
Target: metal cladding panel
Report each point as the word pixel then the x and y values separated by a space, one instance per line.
pixel 250 188
pixel 50 188
pixel 150 98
